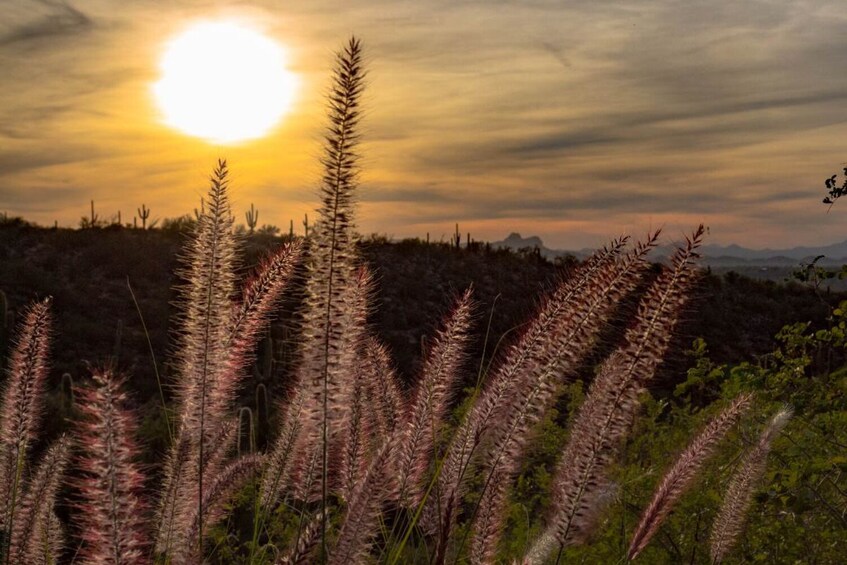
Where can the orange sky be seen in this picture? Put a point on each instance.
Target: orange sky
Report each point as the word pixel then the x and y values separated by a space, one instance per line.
pixel 575 121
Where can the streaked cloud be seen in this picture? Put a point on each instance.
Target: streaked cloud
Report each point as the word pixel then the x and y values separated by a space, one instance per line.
pixel 40 19
pixel 562 119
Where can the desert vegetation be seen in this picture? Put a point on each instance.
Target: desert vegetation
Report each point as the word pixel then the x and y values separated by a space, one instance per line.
pixel 509 458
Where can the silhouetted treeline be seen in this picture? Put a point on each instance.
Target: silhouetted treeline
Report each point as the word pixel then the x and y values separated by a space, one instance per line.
pixel 86 272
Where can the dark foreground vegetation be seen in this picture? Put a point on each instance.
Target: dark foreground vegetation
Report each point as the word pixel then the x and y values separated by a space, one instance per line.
pixel 409 402
pixel 736 332
pixel 89 273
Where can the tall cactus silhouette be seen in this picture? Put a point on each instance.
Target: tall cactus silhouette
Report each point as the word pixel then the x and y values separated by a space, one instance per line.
pixel 143 213
pixel 68 392
pixel 252 217
pixel 246 431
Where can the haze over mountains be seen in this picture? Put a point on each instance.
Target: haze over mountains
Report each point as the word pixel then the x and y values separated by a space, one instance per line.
pixel 713 255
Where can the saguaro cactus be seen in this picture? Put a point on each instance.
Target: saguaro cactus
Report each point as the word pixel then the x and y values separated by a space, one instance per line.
pixel 68 393
pixel 246 439
pixel 144 213
pixel 252 217
pixel 264 366
pixel 94 217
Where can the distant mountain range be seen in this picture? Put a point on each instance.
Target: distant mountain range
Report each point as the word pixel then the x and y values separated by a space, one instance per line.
pixel 713 255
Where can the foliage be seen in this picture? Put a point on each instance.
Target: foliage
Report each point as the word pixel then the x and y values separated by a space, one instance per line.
pixel 835 191
pixel 799 512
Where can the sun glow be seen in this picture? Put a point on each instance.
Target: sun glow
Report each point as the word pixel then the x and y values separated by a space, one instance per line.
pixel 224 82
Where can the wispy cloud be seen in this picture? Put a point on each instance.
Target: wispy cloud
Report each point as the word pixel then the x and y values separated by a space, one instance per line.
pixel 32 20
pixel 532 113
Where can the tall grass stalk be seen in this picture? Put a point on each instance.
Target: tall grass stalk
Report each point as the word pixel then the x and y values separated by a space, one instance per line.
pixel 21 409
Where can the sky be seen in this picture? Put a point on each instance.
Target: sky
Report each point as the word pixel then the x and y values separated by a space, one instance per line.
pixel 573 120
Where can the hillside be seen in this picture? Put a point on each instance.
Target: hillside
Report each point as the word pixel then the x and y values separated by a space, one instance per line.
pixel 87 271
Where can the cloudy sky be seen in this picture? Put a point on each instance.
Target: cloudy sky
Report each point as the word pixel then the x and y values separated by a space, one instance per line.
pixel 572 120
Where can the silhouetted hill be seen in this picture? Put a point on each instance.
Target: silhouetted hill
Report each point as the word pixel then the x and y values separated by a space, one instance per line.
pixel 514 242
pixel 835 254
pixel 776 265
pixel 96 321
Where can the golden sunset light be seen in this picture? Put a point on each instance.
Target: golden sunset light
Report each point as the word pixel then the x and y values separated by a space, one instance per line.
pixel 513 119
pixel 224 82
pixel 423 282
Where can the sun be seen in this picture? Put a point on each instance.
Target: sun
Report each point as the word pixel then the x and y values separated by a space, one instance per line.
pixel 224 82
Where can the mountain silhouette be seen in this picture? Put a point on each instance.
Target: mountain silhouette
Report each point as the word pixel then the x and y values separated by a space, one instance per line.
pixel 835 253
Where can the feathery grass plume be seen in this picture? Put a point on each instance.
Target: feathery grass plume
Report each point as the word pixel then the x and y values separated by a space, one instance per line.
pixel 209 271
pixel 351 323
pixel 730 520
pixel 220 488
pixel 32 532
pixel 217 337
pixel 307 540
pixel 306 477
pixel 172 493
pixel 332 263
pixel 347 447
pixel 364 510
pixel 680 477
pixel 487 522
pixel 604 418
pixel 569 342
pixel 218 448
pixel 22 401
pixel 540 550
pixel 382 391
pixel 436 385
pixel 50 541
pixel 353 457
pixel 521 356
pixel 111 508
pixel 261 293
pixel 279 461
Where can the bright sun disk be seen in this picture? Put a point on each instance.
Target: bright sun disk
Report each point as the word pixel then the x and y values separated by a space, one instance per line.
pixel 224 82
